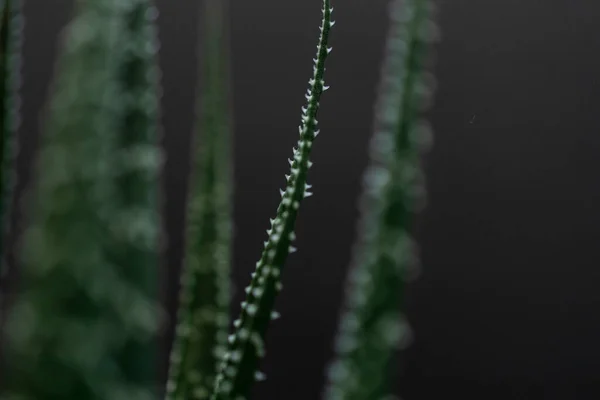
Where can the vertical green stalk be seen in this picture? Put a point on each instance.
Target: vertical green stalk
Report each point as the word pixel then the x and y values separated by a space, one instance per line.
pixel 372 328
pixel 238 370
pixel 75 311
pixel 203 315
pixel 135 248
pixel 10 60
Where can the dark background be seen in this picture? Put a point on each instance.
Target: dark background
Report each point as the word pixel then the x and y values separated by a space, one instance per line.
pixel 506 306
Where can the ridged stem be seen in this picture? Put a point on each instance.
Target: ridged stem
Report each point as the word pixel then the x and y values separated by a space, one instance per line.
pixel 75 311
pixel 11 31
pixel 136 235
pixel 203 315
pixel 238 371
pixel 372 327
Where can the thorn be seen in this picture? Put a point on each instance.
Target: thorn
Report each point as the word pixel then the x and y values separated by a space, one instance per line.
pixel 325 88
pixel 275 315
pixel 307 194
pixel 281 192
pixel 259 376
pixel 331 23
pixel 293 249
pixel 317 132
pixel 329 50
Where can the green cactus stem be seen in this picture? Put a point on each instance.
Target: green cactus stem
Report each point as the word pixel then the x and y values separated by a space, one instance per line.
pixel 75 310
pixel 11 29
pixel 203 315
pixel 136 236
pixel 372 327
pixel 239 371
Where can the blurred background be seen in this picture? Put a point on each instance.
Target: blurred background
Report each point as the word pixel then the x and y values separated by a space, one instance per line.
pixel 506 305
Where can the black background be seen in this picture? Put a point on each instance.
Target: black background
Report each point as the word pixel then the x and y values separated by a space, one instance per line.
pixel 506 306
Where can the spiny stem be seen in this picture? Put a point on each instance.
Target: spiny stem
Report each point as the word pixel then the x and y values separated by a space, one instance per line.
pixel 246 345
pixel 372 328
pixel 11 31
pixel 135 248
pixel 203 315
pixel 75 310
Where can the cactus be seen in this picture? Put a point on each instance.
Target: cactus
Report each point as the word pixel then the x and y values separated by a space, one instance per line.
pixel 136 234
pixel 11 28
pixel 372 327
pixel 203 315
pixel 84 323
pixel 246 345
pixel 75 311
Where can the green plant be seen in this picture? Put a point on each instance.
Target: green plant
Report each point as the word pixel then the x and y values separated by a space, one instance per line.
pixel 83 324
pixel 82 313
pixel 138 158
pixel 246 344
pixel 10 58
pixel 371 327
pixel 203 315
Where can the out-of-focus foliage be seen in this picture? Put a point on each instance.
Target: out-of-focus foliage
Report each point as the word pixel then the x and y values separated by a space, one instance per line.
pixel 372 327
pixel 203 316
pixel 77 314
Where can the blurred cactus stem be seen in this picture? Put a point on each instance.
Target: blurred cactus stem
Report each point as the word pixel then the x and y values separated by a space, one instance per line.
pixel 76 311
pixel 203 315
pixel 136 231
pixel 372 327
pixel 11 42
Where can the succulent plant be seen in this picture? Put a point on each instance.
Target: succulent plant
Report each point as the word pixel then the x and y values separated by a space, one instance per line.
pixel 203 315
pixel 87 314
pixel 11 31
pixel 372 326
pixel 246 347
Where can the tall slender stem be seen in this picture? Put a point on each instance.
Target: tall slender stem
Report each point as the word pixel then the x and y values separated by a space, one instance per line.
pixel 203 315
